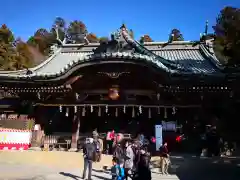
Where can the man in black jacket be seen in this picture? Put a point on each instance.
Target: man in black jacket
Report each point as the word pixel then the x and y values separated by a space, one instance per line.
pixel 143 168
pixel 89 155
pixel 118 153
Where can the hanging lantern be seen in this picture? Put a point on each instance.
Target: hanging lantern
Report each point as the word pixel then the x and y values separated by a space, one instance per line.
pixel 116 112
pixel 158 110
pixel 149 113
pixel 173 110
pixel 67 112
pixel 91 108
pixel 60 108
pixel 140 109
pixel 83 111
pixel 99 111
pixel 133 112
pixel 124 109
pixel 165 113
pixel 75 109
pixel 106 110
pixel 113 93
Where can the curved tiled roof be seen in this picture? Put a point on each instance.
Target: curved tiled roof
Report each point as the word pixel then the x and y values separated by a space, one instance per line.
pixel 76 61
pixel 176 57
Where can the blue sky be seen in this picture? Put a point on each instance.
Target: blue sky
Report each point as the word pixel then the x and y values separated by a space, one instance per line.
pixel 153 17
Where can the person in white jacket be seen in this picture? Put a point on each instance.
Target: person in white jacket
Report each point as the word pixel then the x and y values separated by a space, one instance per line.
pixel 129 157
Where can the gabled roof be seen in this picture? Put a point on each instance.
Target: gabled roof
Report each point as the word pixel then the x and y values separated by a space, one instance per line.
pixel 182 57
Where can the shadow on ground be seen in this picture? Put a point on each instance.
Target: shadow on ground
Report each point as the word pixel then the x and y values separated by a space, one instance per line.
pixel 196 168
pixel 97 174
pixel 187 168
pixel 70 175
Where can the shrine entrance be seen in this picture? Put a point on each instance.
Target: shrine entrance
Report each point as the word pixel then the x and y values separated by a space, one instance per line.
pixel 125 119
pixel 128 97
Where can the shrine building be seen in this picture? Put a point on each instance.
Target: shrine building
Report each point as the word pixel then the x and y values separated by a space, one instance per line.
pixel 120 84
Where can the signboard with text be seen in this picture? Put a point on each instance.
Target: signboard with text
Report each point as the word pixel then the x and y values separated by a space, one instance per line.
pixel 158 135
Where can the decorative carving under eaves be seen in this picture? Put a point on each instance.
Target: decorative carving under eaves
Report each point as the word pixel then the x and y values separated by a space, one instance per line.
pixel 113 75
pixel 8 94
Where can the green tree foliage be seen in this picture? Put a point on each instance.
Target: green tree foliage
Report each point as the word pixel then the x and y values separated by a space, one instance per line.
pixel 175 35
pixel 92 38
pixel 145 38
pixel 103 39
pixel 25 57
pixel 14 54
pixel 42 40
pixel 6 36
pixel 60 26
pixel 77 31
pixel 227 31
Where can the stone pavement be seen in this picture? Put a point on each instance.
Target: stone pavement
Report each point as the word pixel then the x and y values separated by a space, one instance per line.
pixel 66 165
pixel 32 165
pixel 12 171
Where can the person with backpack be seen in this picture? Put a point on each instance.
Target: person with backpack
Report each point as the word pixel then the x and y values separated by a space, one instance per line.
pixel 118 153
pixel 89 155
pixel 117 169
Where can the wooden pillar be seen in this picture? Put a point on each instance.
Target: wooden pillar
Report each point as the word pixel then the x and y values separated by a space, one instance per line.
pixel 75 132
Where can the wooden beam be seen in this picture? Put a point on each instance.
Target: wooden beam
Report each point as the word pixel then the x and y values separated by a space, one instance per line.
pixel 72 80
pixel 130 91
pixel 121 105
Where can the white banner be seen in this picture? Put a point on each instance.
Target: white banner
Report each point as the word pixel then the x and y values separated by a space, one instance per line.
pixel 15 137
pixel 158 135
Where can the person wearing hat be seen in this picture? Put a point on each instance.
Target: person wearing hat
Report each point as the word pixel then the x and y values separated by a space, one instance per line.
pixel 89 155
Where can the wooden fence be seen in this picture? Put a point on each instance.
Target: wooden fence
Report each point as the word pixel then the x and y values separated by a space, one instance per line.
pixel 63 140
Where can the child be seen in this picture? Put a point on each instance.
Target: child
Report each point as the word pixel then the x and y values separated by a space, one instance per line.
pixel 117 170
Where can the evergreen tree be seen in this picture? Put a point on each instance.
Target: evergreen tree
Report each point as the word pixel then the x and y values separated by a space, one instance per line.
pixel 146 38
pixel 227 31
pixel 175 35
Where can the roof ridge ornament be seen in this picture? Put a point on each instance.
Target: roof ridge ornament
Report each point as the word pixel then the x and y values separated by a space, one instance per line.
pixel 123 26
pixel 117 43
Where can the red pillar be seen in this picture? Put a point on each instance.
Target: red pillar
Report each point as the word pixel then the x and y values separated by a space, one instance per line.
pixel 75 132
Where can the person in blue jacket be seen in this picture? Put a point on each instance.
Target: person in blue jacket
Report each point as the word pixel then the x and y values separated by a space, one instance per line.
pixel 117 169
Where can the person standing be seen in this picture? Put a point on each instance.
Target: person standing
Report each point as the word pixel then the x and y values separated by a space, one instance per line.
pixel 110 139
pixel 164 158
pixel 118 153
pixel 89 155
pixel 99 146
pixel 95 133
pixel 117 170
pixel 143 169
pixel 129 157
